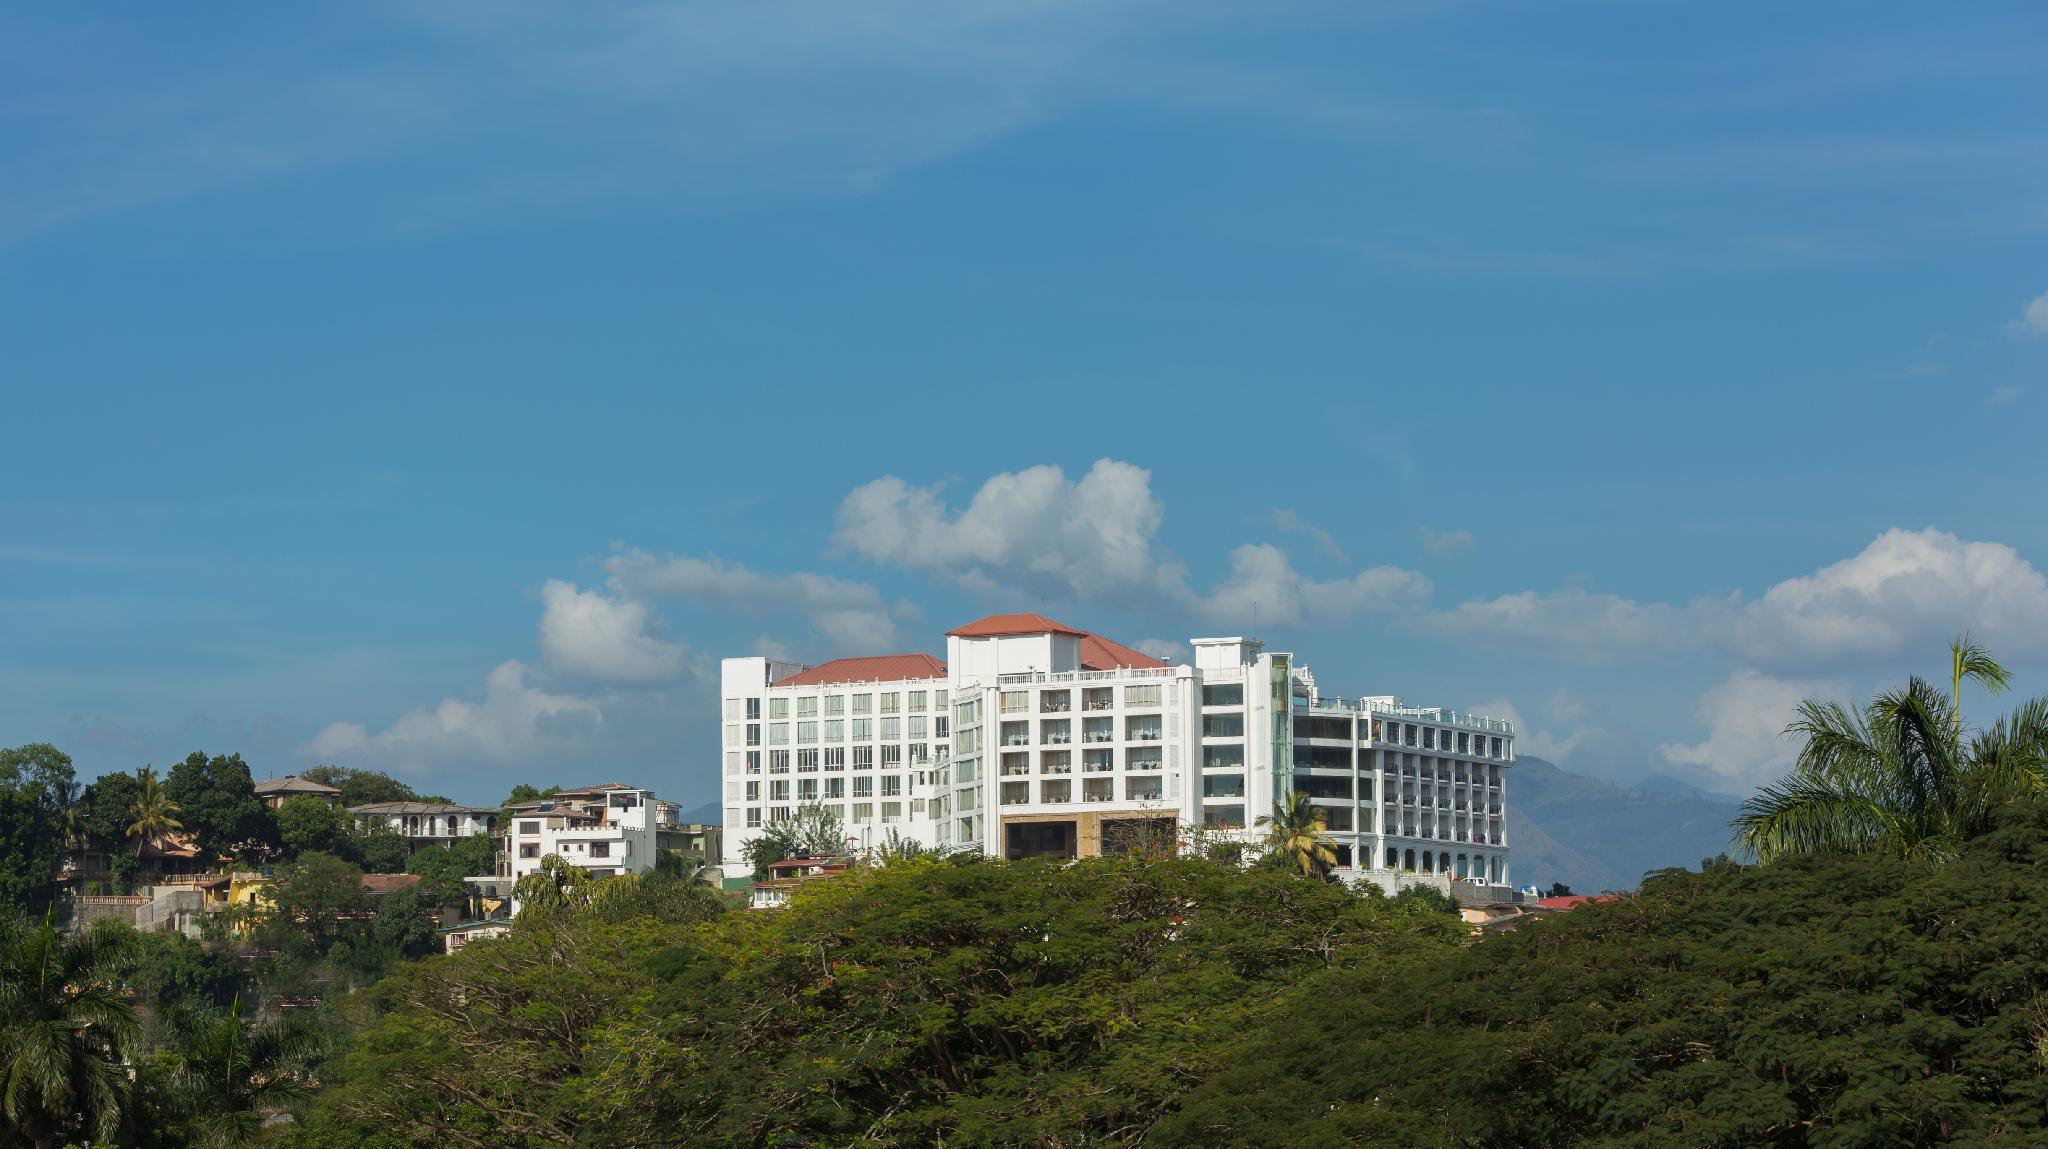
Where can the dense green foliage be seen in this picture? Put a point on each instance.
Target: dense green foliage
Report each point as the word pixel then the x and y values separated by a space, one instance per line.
pixel 217 803
pixel 63 1030
pixel 362 787
pixel 36 785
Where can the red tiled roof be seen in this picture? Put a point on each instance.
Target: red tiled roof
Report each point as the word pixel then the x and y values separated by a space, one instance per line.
pixel 1099 653
pixel 880 668
pixel 1004 624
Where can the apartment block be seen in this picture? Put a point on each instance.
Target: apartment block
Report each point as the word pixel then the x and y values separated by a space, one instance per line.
pixel 1035 738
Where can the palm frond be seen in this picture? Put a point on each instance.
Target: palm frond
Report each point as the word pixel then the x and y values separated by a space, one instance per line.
pixel 1807 815
pixel 1968 660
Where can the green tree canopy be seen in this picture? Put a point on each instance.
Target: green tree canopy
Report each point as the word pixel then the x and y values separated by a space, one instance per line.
pixel 106 804
pixel 444 867
pixel 65 1031
pixel 306 823
pixel 218 804
pixel 362 787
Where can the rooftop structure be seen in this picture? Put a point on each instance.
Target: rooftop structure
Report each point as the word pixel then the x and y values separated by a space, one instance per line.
pixel 1035 737
pixel 425 824
pixel 274 791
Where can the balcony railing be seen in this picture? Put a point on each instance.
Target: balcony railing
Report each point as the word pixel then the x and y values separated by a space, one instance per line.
pixel 1046 676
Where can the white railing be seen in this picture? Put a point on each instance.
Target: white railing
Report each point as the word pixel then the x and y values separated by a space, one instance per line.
pixel 1043 676
pixel 1436 714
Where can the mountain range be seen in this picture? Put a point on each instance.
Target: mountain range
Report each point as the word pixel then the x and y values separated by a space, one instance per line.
pixel 1593 835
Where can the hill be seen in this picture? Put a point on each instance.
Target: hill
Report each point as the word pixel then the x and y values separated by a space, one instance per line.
pixel 1593 835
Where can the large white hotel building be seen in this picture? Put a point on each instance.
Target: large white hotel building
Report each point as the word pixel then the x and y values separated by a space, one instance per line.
pixel 1036 738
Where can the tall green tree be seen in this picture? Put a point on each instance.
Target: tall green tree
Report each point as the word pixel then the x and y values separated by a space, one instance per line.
pixel 1902 775
pixel 306 823
pixel 36 787
pixel 362 787
pixel 1298 832
pixel 65 1030
pixel 220 804
pixel 106 803
pixel 42 773
pixel 152 815
pixel 227 1076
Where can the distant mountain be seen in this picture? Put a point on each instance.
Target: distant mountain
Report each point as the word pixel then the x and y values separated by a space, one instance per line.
pixel 711 812
pixel 1593 835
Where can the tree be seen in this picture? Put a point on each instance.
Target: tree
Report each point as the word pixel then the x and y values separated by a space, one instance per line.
pixel 815 832
pixel 153 815
pixel 227 1076
pixel 1559 890
pixel 315 901
pixel 444 867
pixel 362 787
pixel 525 793
pixel 1897 776
pixel 35 791
pixel 220 804
pixel 107 804
pixel 377 848
pixel 40 772
pixel 1297 831
pixel 64 1031
pixel 306 823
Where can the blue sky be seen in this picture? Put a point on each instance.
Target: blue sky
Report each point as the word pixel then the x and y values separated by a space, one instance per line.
pixel 444 388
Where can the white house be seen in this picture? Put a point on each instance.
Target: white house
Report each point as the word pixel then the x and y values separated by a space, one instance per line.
pixel 424 824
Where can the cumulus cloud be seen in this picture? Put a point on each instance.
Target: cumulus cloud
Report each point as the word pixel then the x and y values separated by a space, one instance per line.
pixel 1035 531
pixel 1165 650
pixel 1263 586
pixel 596 635
pixel 515 721
pixel 1906 592
pixel 1291 523
pixel 2033 318
pixel 850 614
pixel 1745 719
pixel 1447 544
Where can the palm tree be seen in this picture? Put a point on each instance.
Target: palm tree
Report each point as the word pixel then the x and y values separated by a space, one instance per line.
pixel 64 1029
pixel 1296 831
pixel 152 810
pixel 228 1076
pixel 1897 776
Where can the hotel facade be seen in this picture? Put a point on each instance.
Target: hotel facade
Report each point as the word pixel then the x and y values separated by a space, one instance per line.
pixel 1033 738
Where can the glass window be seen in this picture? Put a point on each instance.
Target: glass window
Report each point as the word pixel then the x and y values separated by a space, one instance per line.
pixel 1016 701
pixel 1223 725
pixel 939 726
pixel 1223 694
pixel 835 757
pixel 863 786
pixel 1429 738
pixel 863 729
pixel 863 812
pixel 778 708
pixel 914 700
pixel 778 734
pixel 835 704
pixel 863 703
pixel 835 787
pixel 892 729
pixel 753 791
pixel 753 816
pixel 863 758
pixel 778 761
pixel 754 709
pixel 892 785
pixel 807 731
pixel 891 756
pixel 938 700
pixel 778 790
pixel 1228 754
pixel 889 702
pixel 807 706
pixel 917 725
pixel 835 730
pixel 1141 696
pixel 753 734
pixel 753 761
pixel 807 761
pixel 732 710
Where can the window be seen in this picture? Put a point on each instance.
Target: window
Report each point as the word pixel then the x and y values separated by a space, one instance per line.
pixel 1464 743
pixel 807 761
pixel 778 813
pixel 863 703
pixel 835 704
pixel 1407 735
pixel 778 734
pixel 1141 696
pixel 753 791
pixel 778 761
pixel 753 734
pixel 530 850
pixel 1322 786
pixel 807 706
pixel 1223 725
pixel 1223 694
pixel 1429 738
pixel 778 790
pixel 600 849
pixel 863 787
pixel 892 785
pixel 732 761
pixel 754 709
pixel 778 708
pixel 892 811
pixel 920 753
pixel 863 812
pixel 753 816
pixel 863 729
pixel 835 730
pixel 863 758
pixel 939 727
pixel 835 757
pixel 806 732
pixel 892 729
pixel 917 725
pixel 914 701
pixel 753 761
pixel 1228 754
pixel 732 710
pixel 1496 749
pixel 1016 701
pixel 889 702
pixel 835 787
pixel 807 789
pixel 529 827
pixel 892 756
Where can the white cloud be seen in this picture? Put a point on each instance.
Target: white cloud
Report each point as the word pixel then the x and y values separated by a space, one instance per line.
pixel 1033 531
pixel 2005 396
pixel 1447 544
pixel 1905 593
pixel 2033 318
pixel 1548 745
pixel 1745 719
pixel 1264 588
pixel 590 633
pixel 1290 522
pixel 850 614
pixel 1165 650
pixel 515 721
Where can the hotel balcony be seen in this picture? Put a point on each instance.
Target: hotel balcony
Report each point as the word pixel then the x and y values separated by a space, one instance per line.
pixel 1058 732
pixel 1016 765
pixel 1098 761
pixel 1143 758
pixel 1098 790
pixel 1147 730
pixel 1056 702
pixel 1098 698
pixel 1056 793
pixel 1016 734
pixel 1142 790
pixel 1055 762
pixel 1098 730
pixel 1016 793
